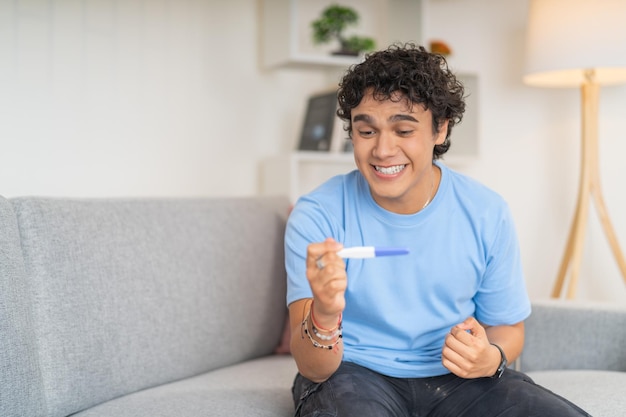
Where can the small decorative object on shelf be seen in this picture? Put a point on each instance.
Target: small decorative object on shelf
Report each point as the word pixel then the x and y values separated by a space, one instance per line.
pixel 331 26
pixel 319 122
pixel 440 47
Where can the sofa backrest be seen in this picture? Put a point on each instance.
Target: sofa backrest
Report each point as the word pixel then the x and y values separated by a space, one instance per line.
pixel 575 334
pixel 20 386
pixel 130 294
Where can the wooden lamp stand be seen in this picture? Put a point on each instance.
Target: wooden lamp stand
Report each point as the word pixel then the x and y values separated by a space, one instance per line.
pixel 589 186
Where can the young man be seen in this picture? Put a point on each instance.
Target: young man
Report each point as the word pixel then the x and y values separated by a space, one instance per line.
pixel 423 334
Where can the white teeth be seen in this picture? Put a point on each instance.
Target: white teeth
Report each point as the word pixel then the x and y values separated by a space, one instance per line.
pixel 390 170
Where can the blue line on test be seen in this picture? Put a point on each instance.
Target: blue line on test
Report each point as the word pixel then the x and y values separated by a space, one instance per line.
pixel 390 251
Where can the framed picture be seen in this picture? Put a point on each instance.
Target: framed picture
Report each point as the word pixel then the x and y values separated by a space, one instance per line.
pixel 319 122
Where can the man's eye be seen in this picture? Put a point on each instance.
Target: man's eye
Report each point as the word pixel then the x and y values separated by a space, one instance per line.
pixel 405 132
pixel 366 133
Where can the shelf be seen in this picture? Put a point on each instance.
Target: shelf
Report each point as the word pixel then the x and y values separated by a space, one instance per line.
pixel 316 62
pixel 300 172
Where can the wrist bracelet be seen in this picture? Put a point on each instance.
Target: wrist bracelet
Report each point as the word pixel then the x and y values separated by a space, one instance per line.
pixel 332 336
pixel 305 328
pixel 315 325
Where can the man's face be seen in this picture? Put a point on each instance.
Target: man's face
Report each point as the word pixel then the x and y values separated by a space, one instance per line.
pixel 393 149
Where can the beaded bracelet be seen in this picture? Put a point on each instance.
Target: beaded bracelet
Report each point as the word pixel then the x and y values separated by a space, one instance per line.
pixel 305 325
pixel 332 336
pixel 315 325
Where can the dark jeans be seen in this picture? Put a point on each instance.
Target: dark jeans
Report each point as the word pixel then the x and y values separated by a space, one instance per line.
pixel 355 391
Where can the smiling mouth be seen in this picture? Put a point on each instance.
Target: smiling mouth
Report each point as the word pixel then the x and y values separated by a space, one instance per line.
pixel 389 170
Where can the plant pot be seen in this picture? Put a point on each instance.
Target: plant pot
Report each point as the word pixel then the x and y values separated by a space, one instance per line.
pixel 345 52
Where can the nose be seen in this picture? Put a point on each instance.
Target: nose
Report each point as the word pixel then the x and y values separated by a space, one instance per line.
pixel 386 145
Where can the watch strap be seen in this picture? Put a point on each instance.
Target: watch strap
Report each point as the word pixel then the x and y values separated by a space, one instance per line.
pixel 503 363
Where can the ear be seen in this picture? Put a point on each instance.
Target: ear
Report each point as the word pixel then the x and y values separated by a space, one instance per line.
pixel 443 132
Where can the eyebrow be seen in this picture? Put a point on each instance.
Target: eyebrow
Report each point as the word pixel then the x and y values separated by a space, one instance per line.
pixel 400 117
pixel 395 118
pixel 362 118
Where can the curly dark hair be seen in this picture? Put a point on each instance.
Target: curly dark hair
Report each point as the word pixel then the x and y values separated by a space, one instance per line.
pixel 420 76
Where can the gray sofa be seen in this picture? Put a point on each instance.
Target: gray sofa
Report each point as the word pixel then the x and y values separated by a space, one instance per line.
pixel 142 308
pixel 173 307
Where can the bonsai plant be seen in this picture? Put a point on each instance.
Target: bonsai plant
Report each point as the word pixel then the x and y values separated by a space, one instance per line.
pixel 331 26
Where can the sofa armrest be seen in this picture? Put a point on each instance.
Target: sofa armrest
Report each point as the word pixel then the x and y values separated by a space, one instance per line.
pixel 575 335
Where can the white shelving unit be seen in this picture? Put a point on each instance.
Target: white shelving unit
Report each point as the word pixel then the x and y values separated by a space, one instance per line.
pixel 465 144
pixel 300 172
pixel 286 43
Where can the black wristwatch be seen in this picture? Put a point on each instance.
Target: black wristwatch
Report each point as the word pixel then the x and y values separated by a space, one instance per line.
pixel 502 365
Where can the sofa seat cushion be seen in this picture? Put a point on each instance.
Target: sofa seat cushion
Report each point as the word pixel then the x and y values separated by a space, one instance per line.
pixel 600 393
pixel 256 388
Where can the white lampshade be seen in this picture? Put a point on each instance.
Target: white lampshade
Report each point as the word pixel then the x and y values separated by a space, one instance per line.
pixel 565 38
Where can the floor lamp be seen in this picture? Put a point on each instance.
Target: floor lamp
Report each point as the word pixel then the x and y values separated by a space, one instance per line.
pixel 579 43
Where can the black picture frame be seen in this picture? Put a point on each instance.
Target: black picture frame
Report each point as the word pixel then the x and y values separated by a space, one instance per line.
pixel 319 122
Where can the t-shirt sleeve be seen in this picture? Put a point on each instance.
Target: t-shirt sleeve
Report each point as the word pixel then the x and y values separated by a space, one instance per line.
pixel 502 297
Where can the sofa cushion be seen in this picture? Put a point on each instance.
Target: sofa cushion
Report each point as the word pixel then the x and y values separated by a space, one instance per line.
pixel 600 393
pixel 256 388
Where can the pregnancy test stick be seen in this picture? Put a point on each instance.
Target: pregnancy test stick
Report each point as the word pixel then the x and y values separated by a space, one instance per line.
pixel 360 252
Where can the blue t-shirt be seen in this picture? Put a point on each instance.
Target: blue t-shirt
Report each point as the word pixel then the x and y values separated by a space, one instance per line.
pixel 464 261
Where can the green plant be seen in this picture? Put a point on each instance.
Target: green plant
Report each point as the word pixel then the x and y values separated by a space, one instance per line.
pixel 331 26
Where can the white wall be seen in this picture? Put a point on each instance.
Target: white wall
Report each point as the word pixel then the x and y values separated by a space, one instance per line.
pixel 139 97
pixel 166 98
